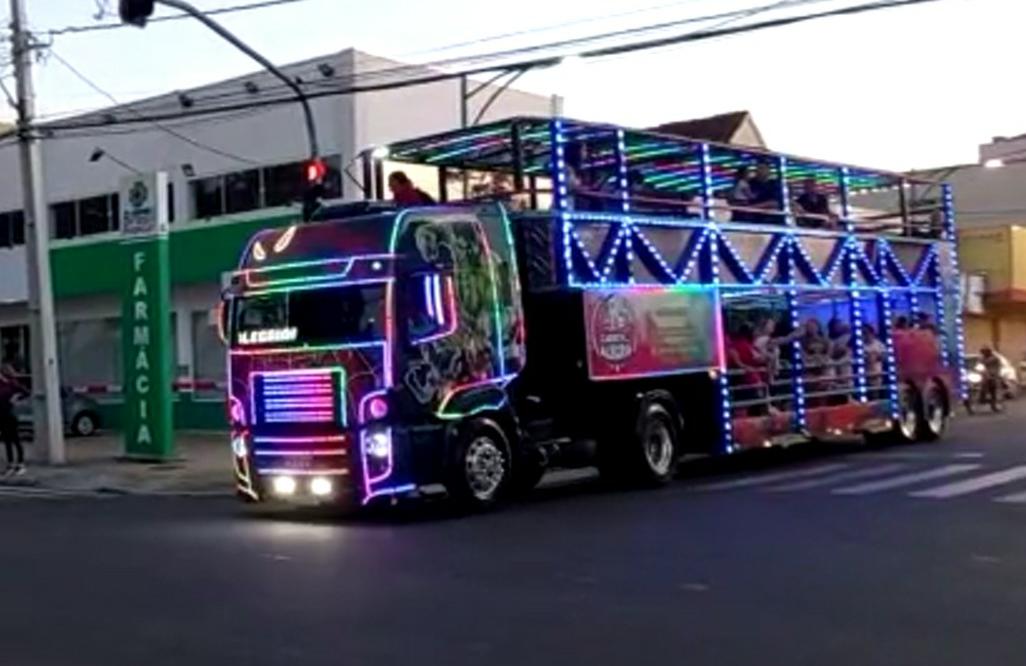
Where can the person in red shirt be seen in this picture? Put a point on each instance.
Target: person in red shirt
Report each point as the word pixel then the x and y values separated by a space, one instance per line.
pixel 743 356
pixel 405 193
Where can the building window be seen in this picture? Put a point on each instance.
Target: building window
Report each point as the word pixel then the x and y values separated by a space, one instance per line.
pixel 84 217
pixel 207 349
pixel 90 352
pixel 14 347
pixel 94 216
pixel 17 219
pixel 283 184
pixel 208 196
pixel 242 191
pixel 269 187
pixel 65 224
pixel 7 229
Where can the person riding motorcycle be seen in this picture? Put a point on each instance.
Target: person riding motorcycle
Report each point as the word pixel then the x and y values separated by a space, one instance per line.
pixel 992 385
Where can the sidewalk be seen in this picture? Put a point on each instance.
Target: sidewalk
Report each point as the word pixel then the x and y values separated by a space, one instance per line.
pixel 203 466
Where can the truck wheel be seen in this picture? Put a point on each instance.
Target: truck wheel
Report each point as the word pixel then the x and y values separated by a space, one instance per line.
pixel 646 456
pixel 479 468
pixel 906 426
pixel 933 417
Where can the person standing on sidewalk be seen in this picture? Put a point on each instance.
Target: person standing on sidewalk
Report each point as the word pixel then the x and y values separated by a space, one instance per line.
pixel 9 389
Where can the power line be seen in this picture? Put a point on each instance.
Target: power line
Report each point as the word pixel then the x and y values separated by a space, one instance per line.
pixel 164 128
pixel 263 4
pixel 435 77
pixel 414 70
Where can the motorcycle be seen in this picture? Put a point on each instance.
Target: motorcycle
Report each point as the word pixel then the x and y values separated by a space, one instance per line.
pixel 986 389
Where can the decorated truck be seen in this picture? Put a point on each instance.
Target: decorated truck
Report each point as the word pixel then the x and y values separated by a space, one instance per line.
pixel 585 295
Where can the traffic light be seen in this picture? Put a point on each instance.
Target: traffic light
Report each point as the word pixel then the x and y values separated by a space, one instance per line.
pixel 315 170
pixel 135 12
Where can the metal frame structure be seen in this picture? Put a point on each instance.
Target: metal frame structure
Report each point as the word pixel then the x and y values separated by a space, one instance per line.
pixel 637 209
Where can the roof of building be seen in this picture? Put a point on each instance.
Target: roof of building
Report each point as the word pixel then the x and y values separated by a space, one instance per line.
pixel 722 128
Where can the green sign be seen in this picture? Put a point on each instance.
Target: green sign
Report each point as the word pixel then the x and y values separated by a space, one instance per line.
pixel 146 319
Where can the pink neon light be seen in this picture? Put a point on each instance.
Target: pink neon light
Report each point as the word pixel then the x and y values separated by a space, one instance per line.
pixel 378 407
pixel 236 411
pixel 299 440
pixel 313 453
pixel 364 408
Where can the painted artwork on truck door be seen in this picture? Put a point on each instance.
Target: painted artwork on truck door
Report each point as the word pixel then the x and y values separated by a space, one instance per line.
pixel 459 306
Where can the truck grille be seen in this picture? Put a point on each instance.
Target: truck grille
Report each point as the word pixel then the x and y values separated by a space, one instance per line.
pixel 299 396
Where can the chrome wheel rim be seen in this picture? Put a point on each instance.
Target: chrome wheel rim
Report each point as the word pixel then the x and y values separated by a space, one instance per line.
pixel 485 468
pixel 936 416
pixel 658 447
pixel 907 422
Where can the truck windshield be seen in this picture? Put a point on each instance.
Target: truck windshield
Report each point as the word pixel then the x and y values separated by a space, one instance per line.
pixel 333 315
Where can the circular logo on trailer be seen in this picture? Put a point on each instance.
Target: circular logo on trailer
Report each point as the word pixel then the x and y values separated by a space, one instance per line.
pixel 138 194
pixel 614 329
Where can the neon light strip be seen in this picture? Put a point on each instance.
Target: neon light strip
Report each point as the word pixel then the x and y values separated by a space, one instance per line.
pixel 299 440
pixel 278 471
pixel 390 491
pixel 496 381
pixel 453 316
pixel 311 349
pixel 316 285
pixel 436 293
pixel 429 296
pixel 345 267
pixel 305 453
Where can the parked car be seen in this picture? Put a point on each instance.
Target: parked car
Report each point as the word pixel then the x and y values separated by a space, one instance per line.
pixel 1010 378
pixel 81 413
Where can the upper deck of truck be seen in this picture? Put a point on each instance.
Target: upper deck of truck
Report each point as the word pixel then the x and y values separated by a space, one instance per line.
pixel 584 168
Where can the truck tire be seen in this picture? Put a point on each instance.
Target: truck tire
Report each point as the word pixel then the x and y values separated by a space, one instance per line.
pixel 933 417
pixel 906 427
pixel 648 453
pixel 478 473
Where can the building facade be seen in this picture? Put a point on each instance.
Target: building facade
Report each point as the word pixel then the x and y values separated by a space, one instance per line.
pixel 230 174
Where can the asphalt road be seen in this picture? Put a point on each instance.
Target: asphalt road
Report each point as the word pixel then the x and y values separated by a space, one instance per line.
pixel 905 556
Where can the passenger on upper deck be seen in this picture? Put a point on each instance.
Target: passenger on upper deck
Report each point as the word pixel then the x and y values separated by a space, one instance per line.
pixel 405 193
pixel 766 194
pixel 813 207
pixel 741 193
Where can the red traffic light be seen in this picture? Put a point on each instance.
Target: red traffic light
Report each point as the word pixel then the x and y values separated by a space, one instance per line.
pixel 135 12
pixel 315 171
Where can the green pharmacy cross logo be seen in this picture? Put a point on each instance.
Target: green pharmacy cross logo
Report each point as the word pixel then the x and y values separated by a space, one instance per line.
pixel 138 195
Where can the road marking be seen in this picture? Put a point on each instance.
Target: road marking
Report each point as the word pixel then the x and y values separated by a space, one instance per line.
pixel 1015 498
pixel 974 484
pixel 774 478
pixel 904 480
pixel 24 492
pixel 841 477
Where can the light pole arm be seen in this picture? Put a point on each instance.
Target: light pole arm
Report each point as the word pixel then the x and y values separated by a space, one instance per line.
pixel 311 127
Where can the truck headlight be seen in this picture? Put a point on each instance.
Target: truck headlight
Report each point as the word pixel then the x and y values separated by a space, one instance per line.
pixel 974 377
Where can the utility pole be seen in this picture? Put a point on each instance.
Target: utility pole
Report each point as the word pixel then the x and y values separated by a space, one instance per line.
pixel 48 428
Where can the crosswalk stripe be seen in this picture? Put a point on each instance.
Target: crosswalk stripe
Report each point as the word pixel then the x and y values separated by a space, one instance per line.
pixel 842 477
pixel 974 484
pixel 904 480
pixel 1015 498
pixel 774 478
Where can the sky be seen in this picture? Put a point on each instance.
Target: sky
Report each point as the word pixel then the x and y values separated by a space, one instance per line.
pixel 913 87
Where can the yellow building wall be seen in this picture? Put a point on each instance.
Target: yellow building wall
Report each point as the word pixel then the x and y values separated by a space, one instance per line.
pixel 1018 259
pixel 988 251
